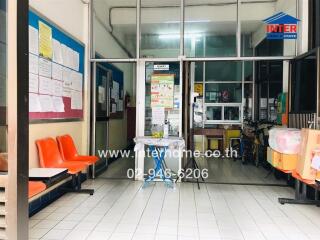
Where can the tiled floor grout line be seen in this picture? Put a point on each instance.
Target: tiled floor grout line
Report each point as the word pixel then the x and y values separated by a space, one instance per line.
pixel 179 206
pixel 248 212
pixel 154 186
pixel 252 211
pixel 196 209
pixel 230 209
pixel 126 210
pixel 115 186
pixel 285 213
pixel 263 209
pixel 163 201
pixel 59 221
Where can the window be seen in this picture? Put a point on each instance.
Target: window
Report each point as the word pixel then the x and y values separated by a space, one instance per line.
pixel 210 28
pixel 114 36
pixel 304 84
pixel 253 29
pixel 160 29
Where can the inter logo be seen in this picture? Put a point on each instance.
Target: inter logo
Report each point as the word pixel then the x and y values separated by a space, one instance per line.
pixel 281 26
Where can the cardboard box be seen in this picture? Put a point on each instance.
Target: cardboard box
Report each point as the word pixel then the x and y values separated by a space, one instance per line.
pixel 273 157
pixel 310 140
pixel 288 162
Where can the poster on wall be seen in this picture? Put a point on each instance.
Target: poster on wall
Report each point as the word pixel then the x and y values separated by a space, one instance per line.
pixel 162 90
pixel 56 70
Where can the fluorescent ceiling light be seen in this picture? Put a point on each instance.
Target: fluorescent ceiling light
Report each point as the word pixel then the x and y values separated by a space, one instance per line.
pixel 190 21
pixel 177 36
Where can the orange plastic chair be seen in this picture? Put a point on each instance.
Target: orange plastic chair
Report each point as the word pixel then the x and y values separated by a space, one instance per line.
pixel 50 157
pixel 36 188
pixel 69 152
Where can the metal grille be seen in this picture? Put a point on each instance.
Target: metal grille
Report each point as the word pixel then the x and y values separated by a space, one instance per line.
pixel 302 120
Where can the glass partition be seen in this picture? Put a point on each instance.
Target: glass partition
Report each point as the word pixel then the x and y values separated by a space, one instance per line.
pixel 160 29
pixel 162 107
pixel 210 28
pixel 163 93
pixel 254 30
pixel 3 78
pixel 114 36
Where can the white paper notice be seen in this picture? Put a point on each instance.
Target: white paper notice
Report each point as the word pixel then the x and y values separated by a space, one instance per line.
pixel 114 108
pixel 33 83
pixel 57 51
pixel 33 64
pixel 76 79
pixel 46 85
pixel 101 94
pixel 57 88
pixel 263 102
pixel 120 106
pixel 69 58
pixel 158 115
pixel 64 51
pixel 33 40
pixel 76 100
pixel 67 77
pixel 34 103
pixel 46 103
pixel 76 61
pixel 57 71
pixel 45 68
pixel 58 104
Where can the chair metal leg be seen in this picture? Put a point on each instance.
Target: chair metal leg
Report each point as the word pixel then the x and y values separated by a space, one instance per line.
pixel 300 196
pixel 76 186
pixel 93 168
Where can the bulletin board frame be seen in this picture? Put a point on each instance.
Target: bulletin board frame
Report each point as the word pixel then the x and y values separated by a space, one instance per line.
pixel 64 37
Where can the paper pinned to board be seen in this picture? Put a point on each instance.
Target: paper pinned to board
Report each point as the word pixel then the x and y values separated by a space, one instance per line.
pixel 58 104
pixel 33 40
pixel 101 94
pixel 76 79
pixel 66 77
pixel 57 72
pixel 57 88
pixel 45 40
pixel 34 103
pixel 64 54
pixel 57 51
pixel 45 68
pixel 76 100
pixel 46 85
pixel 158 115
pixel 113 108
pixel 33 83
pixel 120 106
pixel 46 103
pixel 33 64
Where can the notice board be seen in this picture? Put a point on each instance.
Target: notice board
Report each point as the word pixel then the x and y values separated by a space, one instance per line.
pixel 109 82
pixel 56 72
pixel 162 91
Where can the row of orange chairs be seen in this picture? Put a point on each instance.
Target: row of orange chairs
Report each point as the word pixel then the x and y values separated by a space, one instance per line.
pixel 62 154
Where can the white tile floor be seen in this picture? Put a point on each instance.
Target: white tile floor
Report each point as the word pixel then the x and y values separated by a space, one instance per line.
pixel 121 210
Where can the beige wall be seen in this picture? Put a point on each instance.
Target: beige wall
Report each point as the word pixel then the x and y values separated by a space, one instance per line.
pixel 72 16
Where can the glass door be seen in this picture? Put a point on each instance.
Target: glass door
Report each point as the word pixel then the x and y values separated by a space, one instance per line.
pixel 163 102
pixel 101 106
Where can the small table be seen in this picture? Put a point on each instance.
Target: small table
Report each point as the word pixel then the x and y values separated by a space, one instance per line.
pixel 158 148
pixel 47 175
